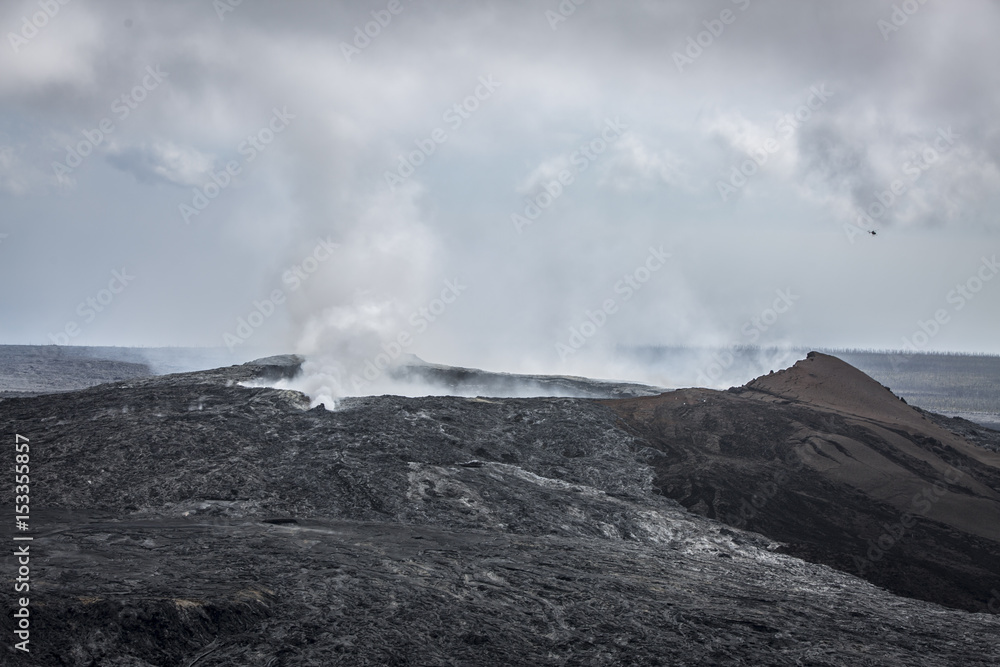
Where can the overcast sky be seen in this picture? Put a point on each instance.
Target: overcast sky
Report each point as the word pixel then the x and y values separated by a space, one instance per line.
pixel 545 180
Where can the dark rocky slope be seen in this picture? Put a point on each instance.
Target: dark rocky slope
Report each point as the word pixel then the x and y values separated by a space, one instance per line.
pixel 475 382
pixel 829 462
pixel 188 520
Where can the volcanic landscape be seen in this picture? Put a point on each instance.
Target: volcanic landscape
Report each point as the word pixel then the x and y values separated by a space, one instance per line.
pixel 809 517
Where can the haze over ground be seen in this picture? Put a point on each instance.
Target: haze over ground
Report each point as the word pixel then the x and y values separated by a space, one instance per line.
pixel 513 185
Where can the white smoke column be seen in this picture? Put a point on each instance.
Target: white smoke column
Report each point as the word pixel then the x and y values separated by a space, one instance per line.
pixel 362 297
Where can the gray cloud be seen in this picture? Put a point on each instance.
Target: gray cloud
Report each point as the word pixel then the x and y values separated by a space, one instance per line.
pixel 358 118
pixel 164 163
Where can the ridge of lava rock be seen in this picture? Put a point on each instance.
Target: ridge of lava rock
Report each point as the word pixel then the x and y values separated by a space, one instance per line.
pixel 826 460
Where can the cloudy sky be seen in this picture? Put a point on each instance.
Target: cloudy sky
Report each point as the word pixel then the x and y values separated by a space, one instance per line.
pixel 516 185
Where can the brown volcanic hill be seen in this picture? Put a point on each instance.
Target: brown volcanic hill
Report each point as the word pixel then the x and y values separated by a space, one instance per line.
pixel 828 383
pixel 825 381
pixel 831 463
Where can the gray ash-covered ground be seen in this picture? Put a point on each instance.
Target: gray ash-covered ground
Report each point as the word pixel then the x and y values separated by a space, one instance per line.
pixel 29 370
pixel 456 381
pixel 189 520
pixel 987 438
pixel 327 592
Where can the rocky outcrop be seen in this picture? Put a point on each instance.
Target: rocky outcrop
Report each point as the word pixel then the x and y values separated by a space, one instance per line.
pixel 826 460
pixel 192 520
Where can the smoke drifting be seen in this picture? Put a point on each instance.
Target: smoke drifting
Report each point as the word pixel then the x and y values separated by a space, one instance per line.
pixel 493 199
pixel 349 313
